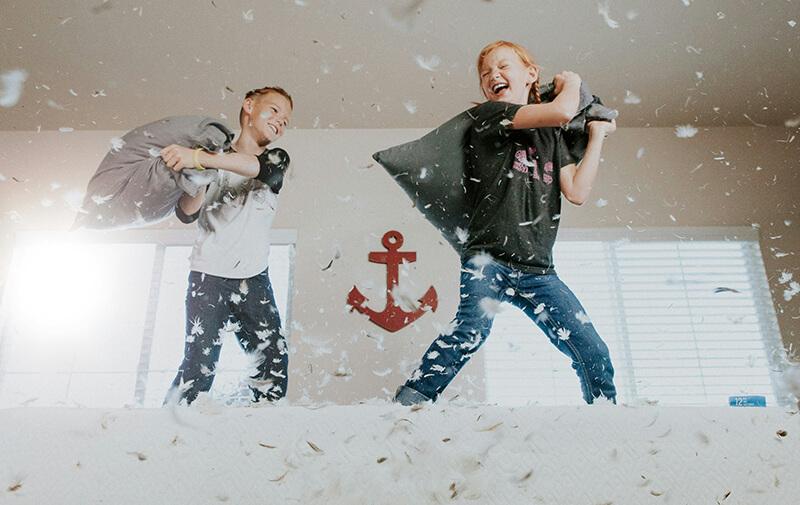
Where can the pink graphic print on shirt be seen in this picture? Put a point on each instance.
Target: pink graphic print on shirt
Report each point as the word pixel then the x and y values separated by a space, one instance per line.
pixel 524 159
pixel 548 172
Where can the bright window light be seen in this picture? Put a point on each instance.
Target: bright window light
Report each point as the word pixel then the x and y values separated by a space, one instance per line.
pixel 97 320
pixel 72 309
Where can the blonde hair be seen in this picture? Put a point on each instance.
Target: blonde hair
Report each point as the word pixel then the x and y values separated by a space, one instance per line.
pixel 265 91
pixel 523 54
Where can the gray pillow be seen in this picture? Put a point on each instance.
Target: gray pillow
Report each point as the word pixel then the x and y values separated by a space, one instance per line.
pixel 133 187
pixel 431 169
pixel 431 172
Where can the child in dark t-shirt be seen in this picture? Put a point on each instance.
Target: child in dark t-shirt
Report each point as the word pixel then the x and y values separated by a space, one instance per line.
pixel 513 181
pixel 518 168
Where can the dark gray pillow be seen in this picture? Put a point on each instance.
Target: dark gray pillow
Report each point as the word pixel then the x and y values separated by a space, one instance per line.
pixel 431 172
pixel 431 169
pixel 133 187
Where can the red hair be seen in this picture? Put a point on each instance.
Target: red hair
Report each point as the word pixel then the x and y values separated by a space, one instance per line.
pixel 523 54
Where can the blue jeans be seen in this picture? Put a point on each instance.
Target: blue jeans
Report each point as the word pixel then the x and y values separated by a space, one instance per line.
pixel 215 305
pixel 546 300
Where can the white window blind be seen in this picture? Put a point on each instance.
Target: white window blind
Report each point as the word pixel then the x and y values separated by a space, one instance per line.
pixel 91 319
pixel 687 316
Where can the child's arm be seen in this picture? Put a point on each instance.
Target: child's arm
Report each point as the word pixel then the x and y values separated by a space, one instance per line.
pixel 577 181
pixel 177 157
pixel 189 206
pixel 556 113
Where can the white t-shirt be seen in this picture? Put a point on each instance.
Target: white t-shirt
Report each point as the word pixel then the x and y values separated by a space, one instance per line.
pixel 234 227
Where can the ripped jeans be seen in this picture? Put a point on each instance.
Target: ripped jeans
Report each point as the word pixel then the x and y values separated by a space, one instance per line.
pixel 215 305
pixel 545 299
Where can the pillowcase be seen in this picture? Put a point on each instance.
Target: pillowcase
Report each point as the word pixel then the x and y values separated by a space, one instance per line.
pixel 133 187
pixel 431 172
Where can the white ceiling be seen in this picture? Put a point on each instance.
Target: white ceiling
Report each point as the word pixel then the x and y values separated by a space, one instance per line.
pixel 116 64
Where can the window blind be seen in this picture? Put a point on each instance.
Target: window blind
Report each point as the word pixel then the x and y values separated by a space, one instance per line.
pixel 687 316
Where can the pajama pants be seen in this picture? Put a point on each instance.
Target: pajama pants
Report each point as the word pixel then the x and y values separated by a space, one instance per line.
pixel 217 305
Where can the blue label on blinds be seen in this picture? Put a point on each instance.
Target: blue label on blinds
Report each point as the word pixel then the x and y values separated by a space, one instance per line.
pixel 748 401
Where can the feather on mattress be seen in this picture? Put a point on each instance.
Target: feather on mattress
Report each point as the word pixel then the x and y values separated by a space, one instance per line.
pixel 386 453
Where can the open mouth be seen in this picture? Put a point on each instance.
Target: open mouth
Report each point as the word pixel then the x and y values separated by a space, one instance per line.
pixel 500 86
pixel 273 128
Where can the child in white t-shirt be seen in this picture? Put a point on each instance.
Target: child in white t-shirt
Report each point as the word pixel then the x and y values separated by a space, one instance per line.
pixel 229 287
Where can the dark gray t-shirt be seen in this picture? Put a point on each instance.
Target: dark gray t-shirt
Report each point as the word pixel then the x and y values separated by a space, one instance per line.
pixel 513 181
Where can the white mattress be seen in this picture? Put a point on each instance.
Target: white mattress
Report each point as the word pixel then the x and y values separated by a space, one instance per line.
pixel 386 453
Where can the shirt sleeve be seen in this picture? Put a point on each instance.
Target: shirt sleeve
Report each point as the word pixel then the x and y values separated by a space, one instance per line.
pixel 273 163
pixel 185 218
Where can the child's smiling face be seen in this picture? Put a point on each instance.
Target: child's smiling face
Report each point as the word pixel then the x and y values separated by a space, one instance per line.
pixel 505 77
pixel 269 115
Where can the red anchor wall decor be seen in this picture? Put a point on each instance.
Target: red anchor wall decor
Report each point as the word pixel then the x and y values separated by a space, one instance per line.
pixel 392 317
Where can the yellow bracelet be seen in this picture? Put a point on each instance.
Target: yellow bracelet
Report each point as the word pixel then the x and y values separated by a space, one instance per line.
pixel 197 164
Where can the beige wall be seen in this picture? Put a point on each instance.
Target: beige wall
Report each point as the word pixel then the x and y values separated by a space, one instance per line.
pixel 341 202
